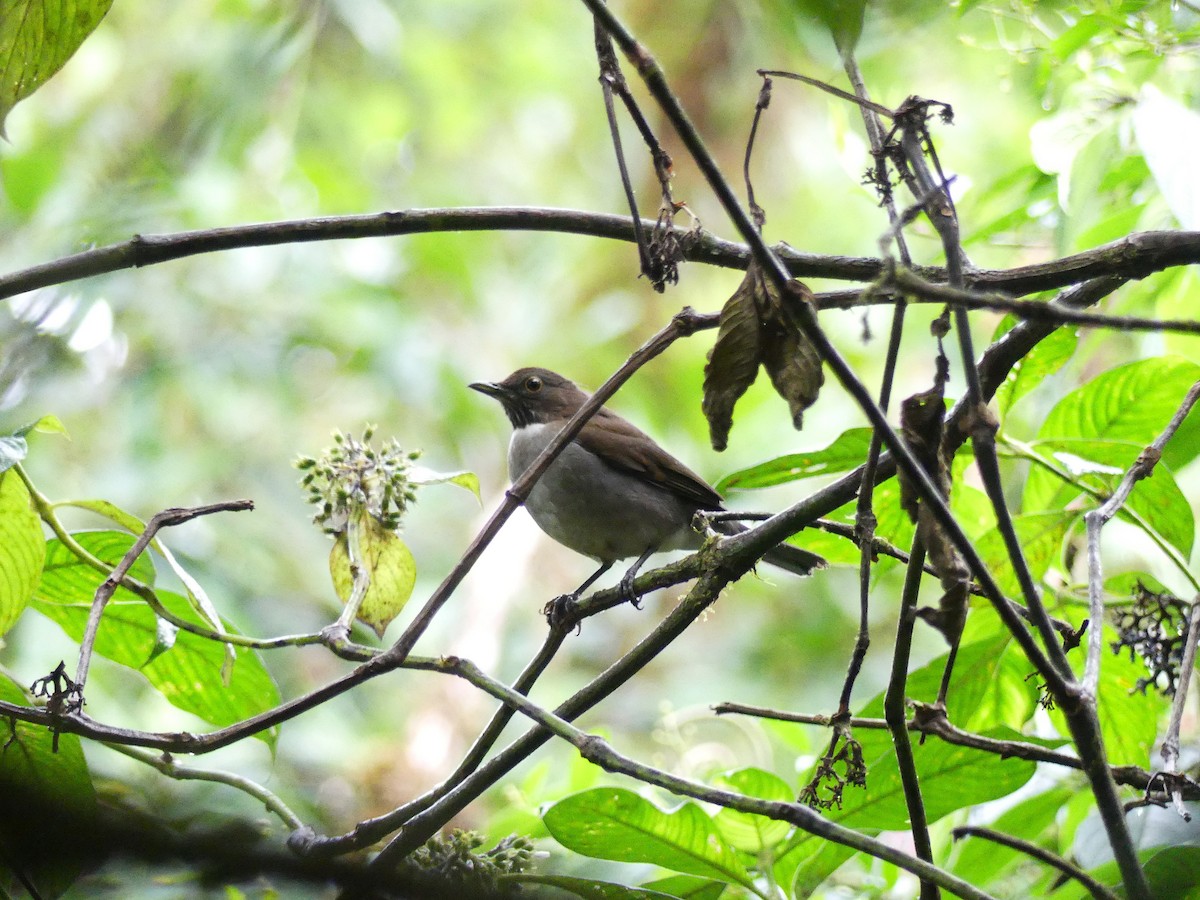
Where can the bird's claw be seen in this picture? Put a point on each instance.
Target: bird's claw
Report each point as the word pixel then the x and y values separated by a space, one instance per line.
pixel 626 592
pixel 561 609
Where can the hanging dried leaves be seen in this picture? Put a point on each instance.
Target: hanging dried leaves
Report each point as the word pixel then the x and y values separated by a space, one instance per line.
pixel 922 423
pixel 733 361
pixel 756 329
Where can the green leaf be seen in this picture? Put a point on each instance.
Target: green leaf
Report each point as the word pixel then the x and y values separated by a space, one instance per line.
pixel 591 889
pixel 843 18
pixel 1162 505
pixel 616 824
pixel 808 867
pixel 952 778
pixel 1170 871
pixel 687 887
pixel 189 674
pixel 464 479
pixel 746 831
pixel 46 425
pixel 388 563
pixel 988 688
pixel 1041 537
pixel 22 549
pixel 1127 405
pixel 1101 464
pixel 52 789
pixel 973 510
pixel 844 454
pixel 1046 358
pixel 37 37
pixel 64 573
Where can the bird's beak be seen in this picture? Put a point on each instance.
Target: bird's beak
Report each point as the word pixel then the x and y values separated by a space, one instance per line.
pixel 487 387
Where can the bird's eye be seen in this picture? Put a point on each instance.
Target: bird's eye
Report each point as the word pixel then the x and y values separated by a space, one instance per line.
pixel 533 384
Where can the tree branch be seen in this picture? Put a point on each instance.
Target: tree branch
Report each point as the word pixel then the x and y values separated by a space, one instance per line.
pixel 1099 891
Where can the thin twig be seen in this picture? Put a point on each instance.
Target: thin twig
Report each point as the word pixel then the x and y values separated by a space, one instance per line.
pixel 167 766
pixel 1098 890
pixel 360 583
pixel 862 102
pixel 931 720
pixel 610 79
pixel 164 519
pixel 1183 683
pixel 864 516
pixel 893 706
pixel 909 281
pixel 1096 519
pixel 46 509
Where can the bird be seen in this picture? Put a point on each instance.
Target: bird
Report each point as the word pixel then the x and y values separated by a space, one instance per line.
pixel 612 493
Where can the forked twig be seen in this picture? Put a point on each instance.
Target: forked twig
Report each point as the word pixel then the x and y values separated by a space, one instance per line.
pixel 108 587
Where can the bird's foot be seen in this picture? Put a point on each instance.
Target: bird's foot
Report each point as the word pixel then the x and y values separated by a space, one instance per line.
pixel 625 589
pixel 562 609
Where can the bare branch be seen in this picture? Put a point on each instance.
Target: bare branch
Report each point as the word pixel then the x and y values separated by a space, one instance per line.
pixel 1097 518
pixel 1041 854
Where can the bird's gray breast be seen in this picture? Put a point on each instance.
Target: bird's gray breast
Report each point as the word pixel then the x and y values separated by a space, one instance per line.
pixel 597 510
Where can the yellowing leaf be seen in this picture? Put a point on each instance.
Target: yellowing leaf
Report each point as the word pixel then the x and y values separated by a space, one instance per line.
pixel 388 564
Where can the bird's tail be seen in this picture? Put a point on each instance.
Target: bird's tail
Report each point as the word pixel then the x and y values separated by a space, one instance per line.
pixel 795 560
pixel 786 556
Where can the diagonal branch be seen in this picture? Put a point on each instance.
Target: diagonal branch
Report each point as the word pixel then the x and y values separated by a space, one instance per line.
pixel 1097 890
pixel 1170 746
pixel 1097 518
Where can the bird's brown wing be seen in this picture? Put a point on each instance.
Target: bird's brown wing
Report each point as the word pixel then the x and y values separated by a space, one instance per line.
pixel 641 456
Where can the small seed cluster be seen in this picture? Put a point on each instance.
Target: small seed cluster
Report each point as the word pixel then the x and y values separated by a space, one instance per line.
pixel 353 476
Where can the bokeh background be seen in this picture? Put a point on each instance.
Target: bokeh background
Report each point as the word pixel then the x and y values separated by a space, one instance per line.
pixel 203 379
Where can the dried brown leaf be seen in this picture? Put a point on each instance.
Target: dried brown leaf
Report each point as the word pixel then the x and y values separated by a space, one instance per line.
pixel 787 354
pixel 922 422
pixel 733 361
